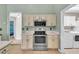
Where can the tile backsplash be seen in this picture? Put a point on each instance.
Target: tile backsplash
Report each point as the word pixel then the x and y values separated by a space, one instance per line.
pixel 47 28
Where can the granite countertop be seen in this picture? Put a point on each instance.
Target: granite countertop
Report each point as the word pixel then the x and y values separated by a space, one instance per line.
pixel 47 32
pixel 74 32
pixel 4 44
pixel 52 33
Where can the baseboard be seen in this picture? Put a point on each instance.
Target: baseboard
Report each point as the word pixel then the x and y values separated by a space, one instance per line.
pixel 52 48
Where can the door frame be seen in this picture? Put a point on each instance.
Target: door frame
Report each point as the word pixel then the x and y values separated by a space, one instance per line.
pixel 8 21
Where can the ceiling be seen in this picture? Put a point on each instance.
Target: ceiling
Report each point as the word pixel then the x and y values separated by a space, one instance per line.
pixel 35 8
pixel 74 9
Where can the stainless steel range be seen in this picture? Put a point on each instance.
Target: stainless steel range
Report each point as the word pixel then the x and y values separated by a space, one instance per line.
pixel 40 40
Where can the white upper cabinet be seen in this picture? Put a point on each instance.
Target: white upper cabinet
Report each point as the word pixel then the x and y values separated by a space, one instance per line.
pixel 69 21
pixel 51 20
pixel 30 20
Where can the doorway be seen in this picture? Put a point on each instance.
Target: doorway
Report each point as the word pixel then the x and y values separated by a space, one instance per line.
pixel 11 29
pixel 15 26
pixel 69 29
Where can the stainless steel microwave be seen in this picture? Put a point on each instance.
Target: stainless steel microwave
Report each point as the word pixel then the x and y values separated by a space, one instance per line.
pixel 39 23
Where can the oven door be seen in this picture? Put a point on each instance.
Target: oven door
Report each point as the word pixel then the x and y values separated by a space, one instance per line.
pixel 39 40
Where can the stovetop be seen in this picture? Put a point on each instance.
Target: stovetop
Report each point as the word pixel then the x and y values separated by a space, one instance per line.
pixel 40 33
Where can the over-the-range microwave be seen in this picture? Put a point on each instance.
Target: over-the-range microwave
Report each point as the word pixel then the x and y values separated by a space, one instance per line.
pixel 39 23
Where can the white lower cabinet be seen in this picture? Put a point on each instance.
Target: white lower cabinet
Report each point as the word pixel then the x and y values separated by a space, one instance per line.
pixel 53 41
pixel 50 42
pixel 68 40
pixel 76 44
pixel 27 42
pixel 30 42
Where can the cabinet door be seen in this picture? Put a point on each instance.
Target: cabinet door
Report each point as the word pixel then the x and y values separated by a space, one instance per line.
pixel 48 21
pixel 24 41
pixel 27 42
pixel 25 20
pixel 30 21
pixel 30 42
pixel 55 41
pixel 51 20
pixel 50 42
pixel 68 40
pixel 76 44
pixel 69 21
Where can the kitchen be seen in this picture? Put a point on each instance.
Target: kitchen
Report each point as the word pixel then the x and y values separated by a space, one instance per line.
pixel 30 29
pixel 71 30
pixel 40 27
